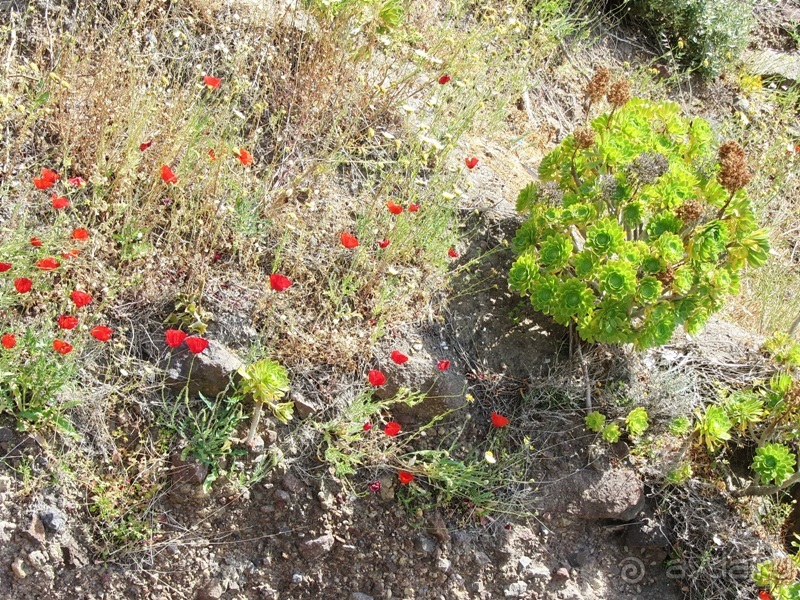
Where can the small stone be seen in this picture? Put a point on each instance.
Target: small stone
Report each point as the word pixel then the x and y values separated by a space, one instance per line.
pixel 524 562
pixel 6 527
pixel 36 530
pixel 211 591
pixel 516 589
pixel 18 568
pixel 297 578
pixel 316 547
pixel 5 484
pixel 539 572
pixel 53 518
pixel 562 574
pixel 360 596
pixel 37 559
pixel 443 565
pixel 302 405
pixel 282 498
pixel 425 544
pixel 293 484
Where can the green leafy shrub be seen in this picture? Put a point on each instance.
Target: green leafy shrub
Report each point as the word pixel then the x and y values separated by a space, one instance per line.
pixel 633 229
pixel 702 34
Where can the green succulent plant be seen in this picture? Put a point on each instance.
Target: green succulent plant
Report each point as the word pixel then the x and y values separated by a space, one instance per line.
pixel 744 408
pixel 655 237
pixel 267 381
pixel 774 463
pixel 636 421
pixel 595 421
pixel 611 433
pixel 713 427
pixel 679 426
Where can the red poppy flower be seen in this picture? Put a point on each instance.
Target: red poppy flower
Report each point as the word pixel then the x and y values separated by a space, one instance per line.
pixel 47 180
pixel 9 340
pixel 62 347
pixel 213 83
pixel 167 175
pixel 394 208
pixel 70 253
pixel 405 477
pixel 384 243
pixel 196 344
pixel 145 145
pixel 376 378
pixel 36 242
pixel 413 207
pixel 444 79
pixel 101 333
pixel 80 298
pixel 5 267
pixel 80 234
pixel 349 241
pixel 78 182
pixel 48 264
pixel 174 337
pixel 211 154
pixel 367 426
pixel 23 285
pixel 452 253
pixel 392 428
pixel 59 202
pixel 279 283
pixel 471 162
pixel 67 322
pixel 499 420
pixel 398 357
pixel 764 595
pixel 443 365
pixel 245 157
pixel 375 487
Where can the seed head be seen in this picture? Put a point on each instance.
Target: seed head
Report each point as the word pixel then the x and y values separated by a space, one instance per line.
pixel 690 211
pixel 649 166
pixel 608 187
pixel 733 173
pixel 550 192
pixel 598 85
pixel 584 137
pixel 619 93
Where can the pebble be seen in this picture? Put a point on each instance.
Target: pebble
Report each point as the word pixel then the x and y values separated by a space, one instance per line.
pixel 562 574
pixel 53 519
pixel 524 562
pixel 516 589
pixel 443 565
pixel 18 568
pixel 297 578
pixel 37 559
pixel 211 591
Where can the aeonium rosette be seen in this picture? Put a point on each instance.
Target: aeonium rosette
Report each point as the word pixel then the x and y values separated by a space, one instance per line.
pixel 630 233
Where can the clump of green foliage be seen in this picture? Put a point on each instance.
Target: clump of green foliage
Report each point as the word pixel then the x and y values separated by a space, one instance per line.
pixel 634 228
pixel 705 35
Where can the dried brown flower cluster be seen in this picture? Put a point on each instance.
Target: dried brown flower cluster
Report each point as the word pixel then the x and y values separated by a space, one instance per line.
pixel 598 85
pixel 584 137
pixel 690 211
pixel 733 173
pixel 619 93
pixel 666 277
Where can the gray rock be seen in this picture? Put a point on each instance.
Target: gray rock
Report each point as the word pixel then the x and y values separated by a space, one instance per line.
pixel 211 370
pixel 588 494
pixel 443 565
pixel 425 544
pixel 293 484
pixel 297 578
pixel 317 547
pixel 524 562
pixel 6 527
pixel 53 519
pixel 304 407
pixel 444 390
pixel 516 589
pixel 73 553
pixel 539 572
pixel 770 64
pixel 360 596
pixel 5 484
pixel 187 470
pixel 210 591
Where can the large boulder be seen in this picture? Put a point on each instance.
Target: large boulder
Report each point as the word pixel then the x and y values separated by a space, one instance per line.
pixel 587 494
